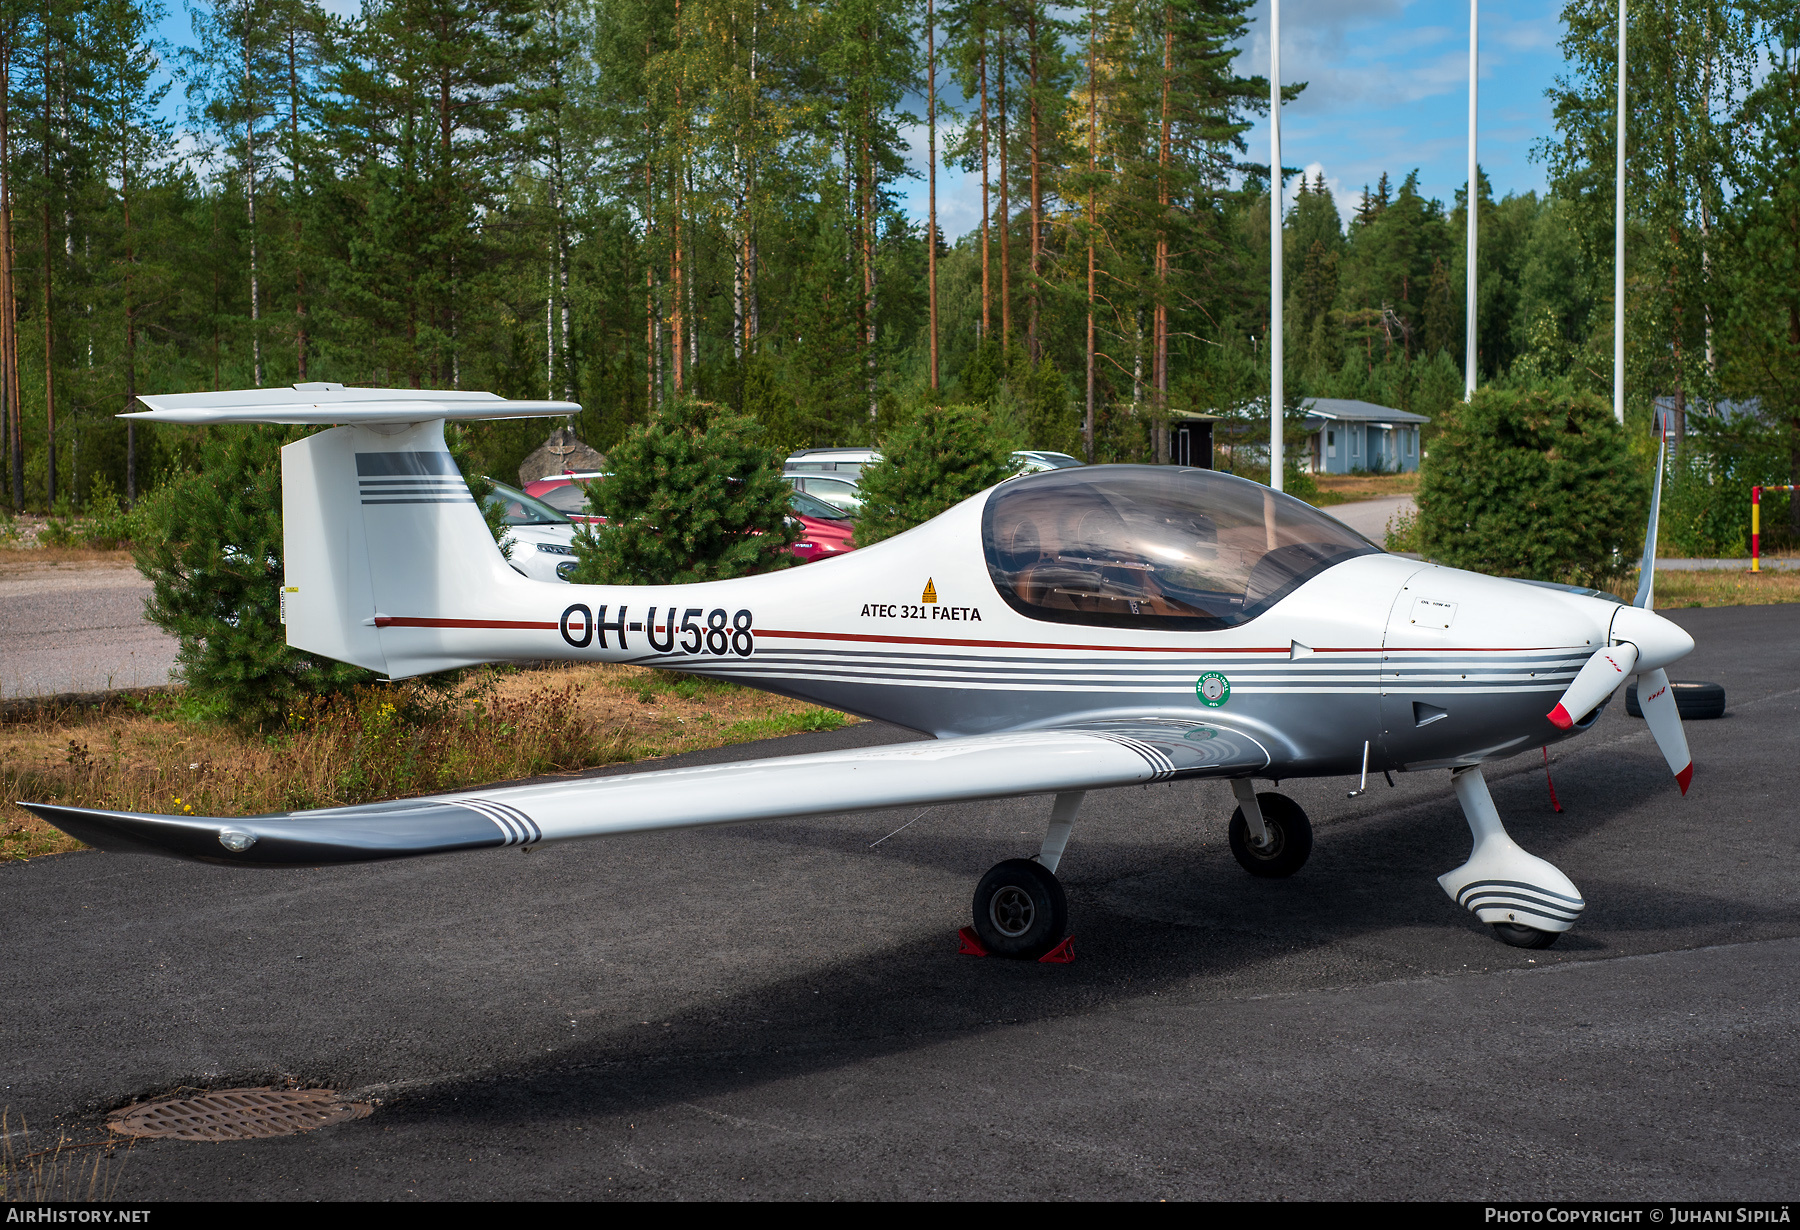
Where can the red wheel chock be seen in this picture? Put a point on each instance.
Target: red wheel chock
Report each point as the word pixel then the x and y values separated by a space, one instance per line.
pixel 970 945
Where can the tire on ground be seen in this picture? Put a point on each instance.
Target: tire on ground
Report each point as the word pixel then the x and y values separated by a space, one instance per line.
pixel 1020 910
pixel 1695 700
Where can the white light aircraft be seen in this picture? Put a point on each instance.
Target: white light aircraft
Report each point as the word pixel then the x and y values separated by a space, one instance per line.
pixel 1062 632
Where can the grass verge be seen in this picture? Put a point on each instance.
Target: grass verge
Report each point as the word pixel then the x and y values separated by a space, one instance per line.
pixel 157 753
pixel 21 561
pixel 1717 587
pixel 1348 488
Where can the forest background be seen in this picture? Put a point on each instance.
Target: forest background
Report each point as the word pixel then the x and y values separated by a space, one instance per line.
pixel 618 202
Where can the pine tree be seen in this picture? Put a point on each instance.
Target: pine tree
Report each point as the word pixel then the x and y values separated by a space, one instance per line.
pixel 213 555
pixel 134 142
pixel 695 494
pixel 933 459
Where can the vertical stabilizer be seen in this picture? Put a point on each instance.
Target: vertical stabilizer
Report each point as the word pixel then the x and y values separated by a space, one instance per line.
pixel 327 601
pixel 386 549
pixel 433 564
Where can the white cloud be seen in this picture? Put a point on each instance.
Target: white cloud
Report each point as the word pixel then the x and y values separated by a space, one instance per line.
pixel 1387 84
pixel 1313 170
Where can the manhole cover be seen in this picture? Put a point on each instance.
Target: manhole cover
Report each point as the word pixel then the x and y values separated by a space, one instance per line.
pixel 237 1114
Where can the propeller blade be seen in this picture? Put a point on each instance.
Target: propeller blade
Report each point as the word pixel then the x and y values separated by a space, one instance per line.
pixel 1600 678
pixel 1646 590
pixel 1661 714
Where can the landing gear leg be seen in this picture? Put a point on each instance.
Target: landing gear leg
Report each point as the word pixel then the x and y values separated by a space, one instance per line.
pixel 1527 901
pixel 1062 823
pixel 1020 909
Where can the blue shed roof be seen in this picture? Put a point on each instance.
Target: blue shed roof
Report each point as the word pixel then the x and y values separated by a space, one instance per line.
pixel 1346 410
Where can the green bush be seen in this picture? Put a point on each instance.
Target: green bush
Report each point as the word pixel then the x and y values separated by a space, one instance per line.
pixel 108 523
pixel 105 524
pixel 935 458
pixel 209 539
pixel 1706 490
pixel 1533 483
pixel 211 546
pixel 694 495
pixel 1402 532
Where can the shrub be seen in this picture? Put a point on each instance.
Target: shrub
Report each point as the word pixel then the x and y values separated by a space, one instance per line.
pixel 209 539
pixel 694 495
pixel 1533 483
pixel 1402 533
pixel 1706 490
pixel 212 549
pixel 105 524
pixel 935 458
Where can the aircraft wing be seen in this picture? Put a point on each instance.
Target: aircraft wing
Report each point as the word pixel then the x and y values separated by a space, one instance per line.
pixel 1093 756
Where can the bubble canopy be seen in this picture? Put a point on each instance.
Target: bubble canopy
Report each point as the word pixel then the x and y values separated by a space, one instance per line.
pixel 1154 547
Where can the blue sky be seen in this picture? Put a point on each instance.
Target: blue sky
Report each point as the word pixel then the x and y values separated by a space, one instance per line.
pixel 1387 90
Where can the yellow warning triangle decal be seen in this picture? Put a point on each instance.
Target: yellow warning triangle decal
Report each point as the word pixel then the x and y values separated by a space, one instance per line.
pixel 930 592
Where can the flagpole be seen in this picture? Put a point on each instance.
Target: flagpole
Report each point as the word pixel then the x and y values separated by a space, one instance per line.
pixel 1469 314
pixel 1619 239
pixel 1276 392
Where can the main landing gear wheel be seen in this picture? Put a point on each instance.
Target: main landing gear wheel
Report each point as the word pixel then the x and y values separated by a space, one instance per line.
pixel 1521 936
pixel 1290 838
pixel 1020 910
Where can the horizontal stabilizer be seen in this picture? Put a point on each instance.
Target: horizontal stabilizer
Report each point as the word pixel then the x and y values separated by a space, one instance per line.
pixel 320 403
pixel 1089 757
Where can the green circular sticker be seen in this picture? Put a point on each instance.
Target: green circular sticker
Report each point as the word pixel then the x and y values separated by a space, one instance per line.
pixel 1213 689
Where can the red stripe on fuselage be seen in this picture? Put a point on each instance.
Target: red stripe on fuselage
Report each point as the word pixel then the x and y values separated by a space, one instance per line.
pixel 408 621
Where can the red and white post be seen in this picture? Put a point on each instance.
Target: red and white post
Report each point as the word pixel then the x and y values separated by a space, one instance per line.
pixel 1755 529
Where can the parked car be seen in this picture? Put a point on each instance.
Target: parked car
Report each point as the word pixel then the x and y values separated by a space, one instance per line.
pixel 838 490
pixel 567 493
pixel 846 461
pixel 825 529
pixel 1036 461
pixel 834 474
pixel 541 537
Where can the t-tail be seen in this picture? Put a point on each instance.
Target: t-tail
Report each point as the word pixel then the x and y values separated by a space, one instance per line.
pixel 379 528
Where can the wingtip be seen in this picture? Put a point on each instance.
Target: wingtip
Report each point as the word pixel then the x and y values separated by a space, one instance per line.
pixel 1684 777
pixel 1559 717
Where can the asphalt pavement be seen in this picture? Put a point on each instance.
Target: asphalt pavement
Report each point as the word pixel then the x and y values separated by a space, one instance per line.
pixel 78 628
pixel 778 1011
pixel 1370 517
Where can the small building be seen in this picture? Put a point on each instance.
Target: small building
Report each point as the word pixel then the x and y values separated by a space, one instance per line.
pixel 1344 435
pixel 562 453
pixel 1191 438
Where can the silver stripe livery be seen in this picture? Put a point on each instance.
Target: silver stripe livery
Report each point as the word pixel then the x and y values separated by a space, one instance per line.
pixel 518 828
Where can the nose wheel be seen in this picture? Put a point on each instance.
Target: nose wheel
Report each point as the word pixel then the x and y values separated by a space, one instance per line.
pixel 1020 910
pixel 1521 936
pixel 1287 837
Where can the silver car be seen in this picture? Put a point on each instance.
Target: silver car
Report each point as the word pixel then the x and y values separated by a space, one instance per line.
pixel 838 490
pixel 833 474
pixel 542 539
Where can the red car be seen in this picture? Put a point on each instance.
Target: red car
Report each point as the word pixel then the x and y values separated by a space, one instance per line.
pixel 824 532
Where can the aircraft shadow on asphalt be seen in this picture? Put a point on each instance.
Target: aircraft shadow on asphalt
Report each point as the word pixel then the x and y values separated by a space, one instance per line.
pixel 1146 924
